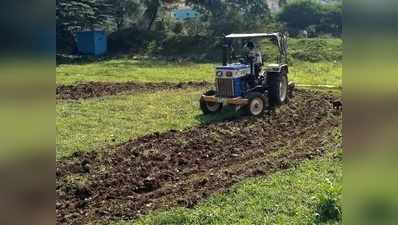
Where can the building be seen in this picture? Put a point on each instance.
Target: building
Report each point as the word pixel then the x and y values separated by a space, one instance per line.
pixel 182 14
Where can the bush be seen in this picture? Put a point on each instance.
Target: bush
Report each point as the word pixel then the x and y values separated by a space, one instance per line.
pixel 151 48
pixel 194 47
pixel 178 28
pixel 315 50
pixel 133 40
pixel 308 49
pixel 329 207
pixel 66 43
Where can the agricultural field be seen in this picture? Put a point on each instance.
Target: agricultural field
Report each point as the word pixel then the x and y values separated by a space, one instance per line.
pixel 134 148
pixel 116 119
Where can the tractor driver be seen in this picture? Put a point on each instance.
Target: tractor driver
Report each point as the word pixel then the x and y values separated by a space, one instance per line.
pixel 255 56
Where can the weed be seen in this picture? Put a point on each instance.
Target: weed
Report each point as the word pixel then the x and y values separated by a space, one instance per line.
pixel 329 207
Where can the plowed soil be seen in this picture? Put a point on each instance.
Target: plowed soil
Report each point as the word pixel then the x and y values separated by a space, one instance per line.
pixel 98 89
pixel 183 167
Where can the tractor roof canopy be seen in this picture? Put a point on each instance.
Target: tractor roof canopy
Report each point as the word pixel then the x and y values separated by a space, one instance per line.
pixel 279 39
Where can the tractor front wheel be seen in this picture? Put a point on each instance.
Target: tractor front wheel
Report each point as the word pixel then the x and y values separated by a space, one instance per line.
pixel 257 104
pixel 210 107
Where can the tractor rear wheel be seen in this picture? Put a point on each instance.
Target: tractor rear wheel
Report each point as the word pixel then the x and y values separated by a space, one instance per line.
pixel 278 88
pixel 210 107
pixel 257 104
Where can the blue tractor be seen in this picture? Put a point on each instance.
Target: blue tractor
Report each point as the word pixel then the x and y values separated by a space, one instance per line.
pixel 243 81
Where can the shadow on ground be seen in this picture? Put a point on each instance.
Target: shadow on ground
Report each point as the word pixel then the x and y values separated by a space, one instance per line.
pixel 227 114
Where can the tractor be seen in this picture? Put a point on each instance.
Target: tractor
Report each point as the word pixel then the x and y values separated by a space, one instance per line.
pixel 242 82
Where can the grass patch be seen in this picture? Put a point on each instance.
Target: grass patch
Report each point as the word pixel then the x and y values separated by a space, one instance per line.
pixel 326 73
pixel 124 70
pixel 316 49
pixel 308 194
pixel 312 60
pixel 89 124
pixel 307 50
pixel 315 59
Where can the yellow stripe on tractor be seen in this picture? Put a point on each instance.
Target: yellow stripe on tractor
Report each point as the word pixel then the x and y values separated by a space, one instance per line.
pixel 226 101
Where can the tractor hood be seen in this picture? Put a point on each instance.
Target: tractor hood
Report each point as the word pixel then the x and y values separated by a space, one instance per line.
pixel 232 70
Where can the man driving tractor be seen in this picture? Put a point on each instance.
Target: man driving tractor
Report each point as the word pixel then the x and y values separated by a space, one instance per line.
pixel 255 56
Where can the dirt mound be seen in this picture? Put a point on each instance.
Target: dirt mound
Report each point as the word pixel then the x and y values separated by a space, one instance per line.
pixel 98 89
pixel 183 167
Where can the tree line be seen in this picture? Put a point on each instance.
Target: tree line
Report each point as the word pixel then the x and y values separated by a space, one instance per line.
pixel 134 24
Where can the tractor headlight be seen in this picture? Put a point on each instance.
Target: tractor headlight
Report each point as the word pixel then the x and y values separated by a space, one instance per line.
pixel 229 74
pixel 219 73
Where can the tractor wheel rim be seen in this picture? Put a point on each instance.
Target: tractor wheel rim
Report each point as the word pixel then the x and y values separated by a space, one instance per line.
pixel 283 89
pixel 213 107
pixel 256 106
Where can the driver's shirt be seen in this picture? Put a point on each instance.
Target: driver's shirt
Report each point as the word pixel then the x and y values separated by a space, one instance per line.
pixel 257 56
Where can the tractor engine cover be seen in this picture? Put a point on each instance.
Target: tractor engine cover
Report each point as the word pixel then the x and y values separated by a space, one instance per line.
pixel 231 80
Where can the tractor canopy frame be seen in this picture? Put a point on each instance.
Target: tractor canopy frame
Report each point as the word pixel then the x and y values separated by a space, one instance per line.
pixel 278 39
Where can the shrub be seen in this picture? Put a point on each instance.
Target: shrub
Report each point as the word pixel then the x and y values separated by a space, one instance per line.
pixel 151 48
pixel 195 47
pixel 310 50
pixel 178 27
pixel 315 50
pixel 133 40
pixel 329 207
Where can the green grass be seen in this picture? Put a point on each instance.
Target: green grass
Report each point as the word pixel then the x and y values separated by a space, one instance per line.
pixel 316 49
pixel 90 124
pixel 325 56
pixel 325 73
pixel 313 50
pixel 124 70
pixel 309 194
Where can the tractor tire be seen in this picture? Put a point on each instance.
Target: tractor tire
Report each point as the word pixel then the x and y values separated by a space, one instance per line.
pixel 209 107
pixel 278 88
pixel 257 104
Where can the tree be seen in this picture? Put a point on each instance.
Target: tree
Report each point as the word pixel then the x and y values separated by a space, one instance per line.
pixel 122 10
pixel 76 15
pixel 299 15
pixel 151 12
pixel 332 19
pixel 232 16
pixel 312 16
